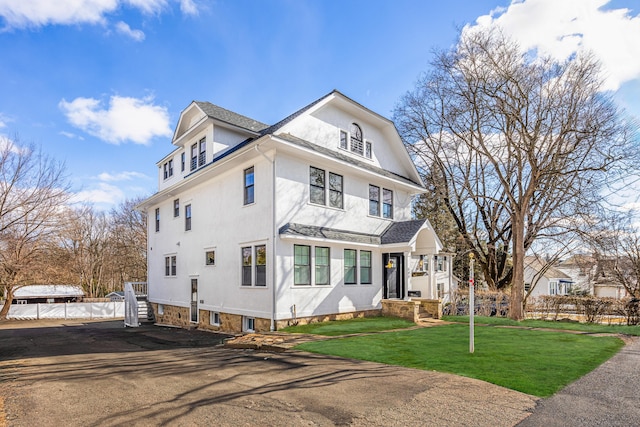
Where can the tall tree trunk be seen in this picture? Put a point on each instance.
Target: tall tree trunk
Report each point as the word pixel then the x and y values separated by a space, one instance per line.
pixel 4 311
pixel 516 310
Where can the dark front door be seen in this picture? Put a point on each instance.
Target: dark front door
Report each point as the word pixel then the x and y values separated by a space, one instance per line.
pixel 393 276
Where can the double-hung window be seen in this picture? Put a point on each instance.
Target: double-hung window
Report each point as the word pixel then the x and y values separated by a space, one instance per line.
pixel 317 185
pixel 335 190
pixel 387 203
pixel 301 265
pixel 157 219
pixel 183 159
pixel 323 266
pixel 194 157
pixel 187 217
pixel 261 265
pixel 202 157
pixel 176 208
pixel 344 141
pixel 318 188
pixel 350 266
pixel 374 200
pixel 365 267
pixel 170 263
pixel 248 186
pixel 254 265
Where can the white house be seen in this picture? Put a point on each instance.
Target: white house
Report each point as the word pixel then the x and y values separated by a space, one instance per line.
pixel 257 226
pixel 542 279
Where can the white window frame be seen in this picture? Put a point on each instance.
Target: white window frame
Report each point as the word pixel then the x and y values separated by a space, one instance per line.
pixel 214 318
pixel 248 324
pixel 170 265
pixel 254 264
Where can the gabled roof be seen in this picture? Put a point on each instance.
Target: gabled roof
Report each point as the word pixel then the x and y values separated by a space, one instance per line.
pixel 401 232
pixel 550 273
pixel 227 116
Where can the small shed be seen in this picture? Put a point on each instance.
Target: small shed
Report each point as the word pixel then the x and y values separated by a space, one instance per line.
pixel 41 294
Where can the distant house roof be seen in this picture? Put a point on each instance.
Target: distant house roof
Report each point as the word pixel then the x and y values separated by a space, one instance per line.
pixel 230 117
pixel 398 232
pixel 48 291
pixel 550 273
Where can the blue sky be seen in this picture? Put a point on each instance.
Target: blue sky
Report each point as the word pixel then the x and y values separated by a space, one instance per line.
pixel 100 84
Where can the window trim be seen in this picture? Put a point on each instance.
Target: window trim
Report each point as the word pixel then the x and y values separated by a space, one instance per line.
pixel 326 266
pixel 386 215
pixel 377 202
pixel 313 186
pixel 194 157
pixel 212 318
pixel 187 217
pixel 210 261
pixel 170 265
pixel 249 188
pixel 333 191
pixel 202 151
pixel 307 265
pixel 354 266
pixel 176 208
pixel 367 268
pixel 250 270
pixel 157 220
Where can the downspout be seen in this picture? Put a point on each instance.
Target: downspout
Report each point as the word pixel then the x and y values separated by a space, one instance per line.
pixel 272 326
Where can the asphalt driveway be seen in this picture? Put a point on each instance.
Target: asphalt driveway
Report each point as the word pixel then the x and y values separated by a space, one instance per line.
pixel 56 373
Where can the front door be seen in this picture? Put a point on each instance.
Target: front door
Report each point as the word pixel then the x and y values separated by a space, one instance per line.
pixel 393 276
pixel 194 300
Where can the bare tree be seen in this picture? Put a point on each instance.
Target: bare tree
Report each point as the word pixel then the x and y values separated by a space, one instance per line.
pixel 33 189
pixel 129 238
pixel 615 242
pixel 519 143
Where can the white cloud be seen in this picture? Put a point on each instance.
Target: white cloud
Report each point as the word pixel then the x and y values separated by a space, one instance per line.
pixel 38 13
pixel 103 194
pixel 21 14
pixel 559 28
pixel 125 119
pixel 121 176
pixel 125 29
pixel 188 7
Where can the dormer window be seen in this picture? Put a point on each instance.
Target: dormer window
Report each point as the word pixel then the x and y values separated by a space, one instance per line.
pixel 199 154
pixel 357 143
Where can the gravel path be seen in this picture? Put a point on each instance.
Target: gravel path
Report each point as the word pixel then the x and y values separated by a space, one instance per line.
pixel 608 396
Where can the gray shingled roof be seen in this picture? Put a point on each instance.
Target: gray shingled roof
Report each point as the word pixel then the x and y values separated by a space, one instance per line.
pixel 401 232
pixel 398 232
pixel 230 117
pixel 292 229
pixel 336 154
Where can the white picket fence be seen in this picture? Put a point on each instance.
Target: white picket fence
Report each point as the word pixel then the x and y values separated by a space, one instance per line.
pixel 69 310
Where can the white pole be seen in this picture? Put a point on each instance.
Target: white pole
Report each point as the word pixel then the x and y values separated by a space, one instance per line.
pixel 471 304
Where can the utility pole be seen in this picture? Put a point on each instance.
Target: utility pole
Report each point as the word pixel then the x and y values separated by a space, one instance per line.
pixel 471 304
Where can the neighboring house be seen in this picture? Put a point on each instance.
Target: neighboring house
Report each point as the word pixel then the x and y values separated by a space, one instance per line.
pixel 35 294
pixel 115 296
pixel 604 282
pixel 581 270
pixel 256 227
pixel 545 280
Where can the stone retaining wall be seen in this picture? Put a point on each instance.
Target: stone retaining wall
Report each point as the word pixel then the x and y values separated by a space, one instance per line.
pixel 411 309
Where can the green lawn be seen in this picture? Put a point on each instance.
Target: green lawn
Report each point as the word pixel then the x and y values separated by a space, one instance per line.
pixel 572 326
pixel 534 362
pixel 352 326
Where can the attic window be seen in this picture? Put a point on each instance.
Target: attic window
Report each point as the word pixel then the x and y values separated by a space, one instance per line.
pixel 357 144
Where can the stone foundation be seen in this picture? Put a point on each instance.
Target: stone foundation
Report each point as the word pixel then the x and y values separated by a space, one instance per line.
pixel 232 323
pixel 412 309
